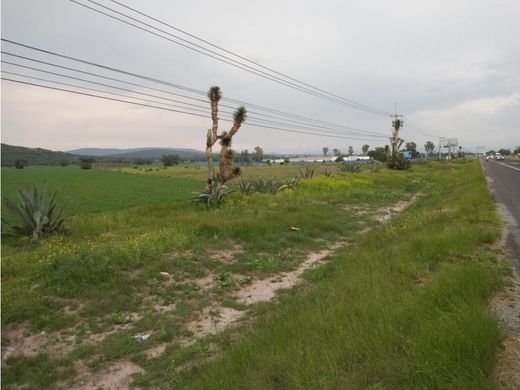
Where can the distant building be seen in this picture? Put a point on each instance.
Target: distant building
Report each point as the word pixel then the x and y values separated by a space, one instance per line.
pixel 318 159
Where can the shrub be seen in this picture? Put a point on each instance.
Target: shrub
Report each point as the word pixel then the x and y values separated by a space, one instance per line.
pixel 398 162
pixel 213 195
pixel 35 214
pixel 349 167
pixel 64 163
pixel 20 164
pixel 170 159
pixel 86 162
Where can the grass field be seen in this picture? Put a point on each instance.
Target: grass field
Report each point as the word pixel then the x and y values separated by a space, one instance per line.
pixel 403 305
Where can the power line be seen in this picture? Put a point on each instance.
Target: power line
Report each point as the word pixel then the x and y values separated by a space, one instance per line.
pixel 418 129
pixel 235 54
pixel 174 110
pixel 162 82
pixel 101 91
pixel 197 48
pixel 97 83
pixel 201 109
pixel 204 108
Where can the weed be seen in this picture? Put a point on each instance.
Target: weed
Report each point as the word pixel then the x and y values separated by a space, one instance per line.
pixel 360 321
pixel 225 279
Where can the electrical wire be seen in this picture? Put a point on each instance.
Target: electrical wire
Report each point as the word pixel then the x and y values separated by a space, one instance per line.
pixel 282 122
pixel 237 64
pixel 162 82
pixel 418 129
pixel 174 110
pixel 200 109
pixel 237 55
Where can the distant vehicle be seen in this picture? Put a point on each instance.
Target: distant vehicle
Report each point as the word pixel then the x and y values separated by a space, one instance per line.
pixel 499 157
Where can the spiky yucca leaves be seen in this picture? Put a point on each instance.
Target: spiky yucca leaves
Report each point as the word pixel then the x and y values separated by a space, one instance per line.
pixel 35 214
pixel 226 156
pixel 214 94
pixel 225 139
pixel 240 115
pixel 213 195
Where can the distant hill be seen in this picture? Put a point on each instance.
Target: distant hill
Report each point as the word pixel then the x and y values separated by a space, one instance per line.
pixel 34 156
pixel 136 152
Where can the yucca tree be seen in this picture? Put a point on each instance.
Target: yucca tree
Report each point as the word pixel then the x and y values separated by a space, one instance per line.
pixel 214 95
pixel 226 154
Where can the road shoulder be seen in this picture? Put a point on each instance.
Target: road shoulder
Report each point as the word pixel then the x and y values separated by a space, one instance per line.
pixel 506 304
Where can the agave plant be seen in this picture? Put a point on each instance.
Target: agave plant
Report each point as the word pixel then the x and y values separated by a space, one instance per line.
pixel 349 167
pixel 213 195
pixel 268 186
pixel 292 183
pixel 327 173
pixel 375 166
pixel 35 214
pixel 307 174
pixel 245 186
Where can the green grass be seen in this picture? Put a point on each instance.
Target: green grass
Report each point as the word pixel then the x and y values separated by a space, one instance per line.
pixel 94 190
pixel 403 307
pixel 406 308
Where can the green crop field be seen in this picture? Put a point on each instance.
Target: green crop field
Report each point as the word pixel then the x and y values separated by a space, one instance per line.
pixel 93 190
pixel 399 298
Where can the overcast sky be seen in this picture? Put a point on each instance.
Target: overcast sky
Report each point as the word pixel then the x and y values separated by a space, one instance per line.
pixel 453 67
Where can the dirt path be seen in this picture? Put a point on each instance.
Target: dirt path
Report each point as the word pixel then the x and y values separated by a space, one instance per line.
pixel 212 320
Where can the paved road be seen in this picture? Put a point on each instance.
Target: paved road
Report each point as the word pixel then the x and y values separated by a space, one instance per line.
pixel 505 181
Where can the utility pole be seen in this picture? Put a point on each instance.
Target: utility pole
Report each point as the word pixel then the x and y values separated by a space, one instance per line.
pixel 395 141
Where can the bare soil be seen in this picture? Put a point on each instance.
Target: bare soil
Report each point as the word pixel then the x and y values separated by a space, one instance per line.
pixel 212 320
pixel 118 376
